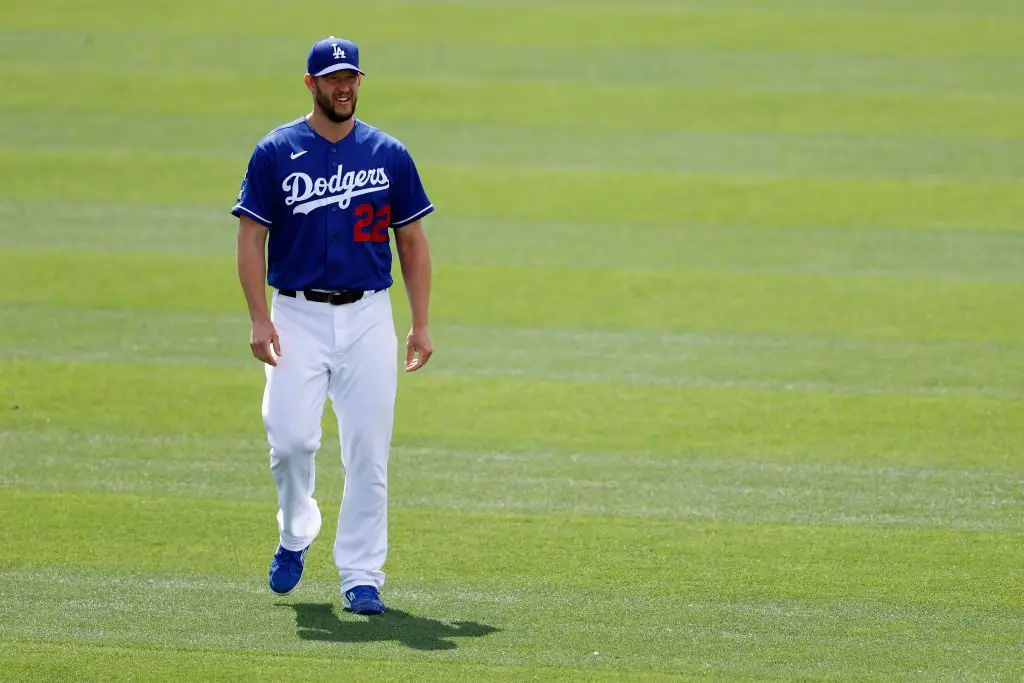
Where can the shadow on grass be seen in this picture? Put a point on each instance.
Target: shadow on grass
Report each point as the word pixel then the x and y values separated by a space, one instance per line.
pixel 317 621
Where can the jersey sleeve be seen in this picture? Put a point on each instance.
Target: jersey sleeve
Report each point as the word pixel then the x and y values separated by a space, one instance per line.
pixel 257 188
pixel 409 199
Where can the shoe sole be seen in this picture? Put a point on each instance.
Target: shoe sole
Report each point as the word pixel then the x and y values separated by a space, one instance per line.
pixel 368 611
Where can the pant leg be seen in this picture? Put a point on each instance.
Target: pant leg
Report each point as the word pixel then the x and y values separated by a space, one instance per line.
pixel 363 397
pixel 293 403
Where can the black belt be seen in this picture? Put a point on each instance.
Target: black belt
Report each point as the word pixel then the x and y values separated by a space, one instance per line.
pixel 336 298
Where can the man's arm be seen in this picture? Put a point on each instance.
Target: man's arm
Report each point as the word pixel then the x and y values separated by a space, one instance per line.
pixel 414 257
pixel 252 274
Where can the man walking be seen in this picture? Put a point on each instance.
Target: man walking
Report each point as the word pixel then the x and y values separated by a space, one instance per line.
pixel 319 198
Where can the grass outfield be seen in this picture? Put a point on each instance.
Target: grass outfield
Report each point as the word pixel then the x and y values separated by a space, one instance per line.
pixel 729 315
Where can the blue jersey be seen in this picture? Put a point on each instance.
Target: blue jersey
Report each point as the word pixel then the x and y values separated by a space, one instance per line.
pixel 328 206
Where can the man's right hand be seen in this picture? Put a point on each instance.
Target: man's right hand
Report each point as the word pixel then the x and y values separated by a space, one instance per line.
pixel 264 341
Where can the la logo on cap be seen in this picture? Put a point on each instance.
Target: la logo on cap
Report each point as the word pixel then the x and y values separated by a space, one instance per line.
pixel 338 52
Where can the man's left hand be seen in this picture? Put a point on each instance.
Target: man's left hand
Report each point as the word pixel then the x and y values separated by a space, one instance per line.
pixel 418 349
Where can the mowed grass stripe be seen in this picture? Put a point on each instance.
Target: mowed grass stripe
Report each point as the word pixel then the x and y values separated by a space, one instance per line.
pixel 861 307
pixel 548 147
pixel 390 102
pixel 528 414
pixel 693 360
pixel 590 371
pixel 385 23
pixel 204 230
pixel 679 561
pixel 637 198
pixel 745 488
pixel 839 8
pixel 444 626
pixel 37 660
pixel 758 70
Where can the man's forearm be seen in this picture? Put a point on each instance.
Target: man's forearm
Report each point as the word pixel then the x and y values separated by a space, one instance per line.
pixel 416 271
pixel 252 274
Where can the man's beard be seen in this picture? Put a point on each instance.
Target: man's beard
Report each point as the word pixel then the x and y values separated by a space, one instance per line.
pixel 326 106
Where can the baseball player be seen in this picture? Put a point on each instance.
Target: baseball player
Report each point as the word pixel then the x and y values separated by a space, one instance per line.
pixel 327 188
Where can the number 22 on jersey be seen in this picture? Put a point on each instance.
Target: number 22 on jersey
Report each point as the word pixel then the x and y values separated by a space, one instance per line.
pixel 372 224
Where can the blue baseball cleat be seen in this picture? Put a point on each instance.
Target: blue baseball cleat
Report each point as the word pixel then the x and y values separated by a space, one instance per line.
pixel 286 569
pixel 363 600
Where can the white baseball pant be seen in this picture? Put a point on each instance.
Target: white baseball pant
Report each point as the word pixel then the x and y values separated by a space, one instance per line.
pixel 347 352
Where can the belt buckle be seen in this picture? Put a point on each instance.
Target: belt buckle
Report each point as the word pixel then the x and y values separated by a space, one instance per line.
pixel 343 297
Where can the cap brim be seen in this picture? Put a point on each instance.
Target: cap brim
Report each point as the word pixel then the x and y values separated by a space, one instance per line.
pixel 338 67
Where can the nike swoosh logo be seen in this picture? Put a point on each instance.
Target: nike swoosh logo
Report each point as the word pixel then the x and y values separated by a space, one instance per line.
pixel 296 155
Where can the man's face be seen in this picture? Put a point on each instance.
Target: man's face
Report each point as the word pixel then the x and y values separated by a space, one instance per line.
pixel 336 94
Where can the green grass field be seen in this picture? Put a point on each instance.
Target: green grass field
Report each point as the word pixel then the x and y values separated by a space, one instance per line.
pixel 729 315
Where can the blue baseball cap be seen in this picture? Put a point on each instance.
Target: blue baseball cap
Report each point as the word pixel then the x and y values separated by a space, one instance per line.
pixel 332 54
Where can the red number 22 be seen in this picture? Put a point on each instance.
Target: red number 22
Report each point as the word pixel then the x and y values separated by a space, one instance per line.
pixel 379 230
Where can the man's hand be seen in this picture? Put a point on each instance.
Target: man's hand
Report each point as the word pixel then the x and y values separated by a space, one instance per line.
pixel 418 349
pixel 264 341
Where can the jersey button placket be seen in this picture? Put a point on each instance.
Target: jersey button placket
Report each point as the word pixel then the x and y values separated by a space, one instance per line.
pixel 334 228
pixel 333 169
